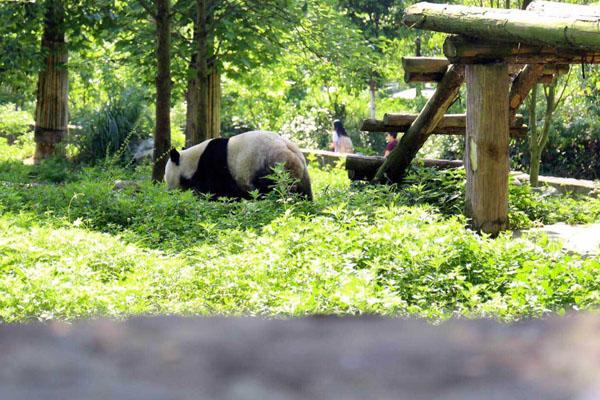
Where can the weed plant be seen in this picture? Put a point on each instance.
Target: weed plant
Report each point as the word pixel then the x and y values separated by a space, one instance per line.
pixel 72 246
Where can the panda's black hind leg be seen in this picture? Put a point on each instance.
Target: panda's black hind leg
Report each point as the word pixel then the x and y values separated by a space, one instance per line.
pixel 262 180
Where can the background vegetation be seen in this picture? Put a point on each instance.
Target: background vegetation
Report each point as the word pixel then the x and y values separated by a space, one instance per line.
pixel 73 246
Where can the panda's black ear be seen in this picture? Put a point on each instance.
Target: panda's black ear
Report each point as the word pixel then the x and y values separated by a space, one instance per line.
pixel 174 156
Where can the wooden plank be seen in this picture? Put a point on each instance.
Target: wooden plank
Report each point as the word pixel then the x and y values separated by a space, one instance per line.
pixel 486 153
pixel 508 25
pixel 394 167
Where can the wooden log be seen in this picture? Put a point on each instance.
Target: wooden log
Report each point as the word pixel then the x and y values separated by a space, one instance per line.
pixel 522 85
pixel 508 25
pixel 395 165
pixel 486 153
pixel 432 69
pixel 365 167
pixel 439 65
pixel 425 64
pixel 464 50
pixel 451 124
pixel 554 9
pixel 422 77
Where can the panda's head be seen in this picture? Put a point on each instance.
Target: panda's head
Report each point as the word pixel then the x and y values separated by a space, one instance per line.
pixel 173 170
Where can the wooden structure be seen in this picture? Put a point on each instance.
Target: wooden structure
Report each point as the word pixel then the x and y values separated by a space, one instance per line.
pixel 500 54
pixel 364 168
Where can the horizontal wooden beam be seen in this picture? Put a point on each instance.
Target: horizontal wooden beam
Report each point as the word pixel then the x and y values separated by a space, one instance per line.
pixel 432 69
pixel 451 124
pixel 365 167
pixel 464 50
pixel 507 25
pixel 425 64
pixel 374 125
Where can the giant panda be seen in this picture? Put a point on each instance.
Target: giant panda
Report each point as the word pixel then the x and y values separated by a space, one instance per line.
pixel 233 167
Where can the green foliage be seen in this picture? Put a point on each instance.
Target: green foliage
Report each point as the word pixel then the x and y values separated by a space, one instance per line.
pixel 109 130
pixel 14 125
pixel 82 249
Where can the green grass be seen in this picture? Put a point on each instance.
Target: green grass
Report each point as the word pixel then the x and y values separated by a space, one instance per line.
pixel 72 247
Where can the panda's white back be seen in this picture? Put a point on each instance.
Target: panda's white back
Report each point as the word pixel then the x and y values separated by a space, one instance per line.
pixel 248 152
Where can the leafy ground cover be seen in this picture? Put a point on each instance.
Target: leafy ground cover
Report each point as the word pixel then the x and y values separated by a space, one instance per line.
pixel 73 247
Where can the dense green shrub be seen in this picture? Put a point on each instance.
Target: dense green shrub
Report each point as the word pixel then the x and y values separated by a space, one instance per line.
pixel 571 151
pixel 82 248
pixel 112 129
pixel 14 125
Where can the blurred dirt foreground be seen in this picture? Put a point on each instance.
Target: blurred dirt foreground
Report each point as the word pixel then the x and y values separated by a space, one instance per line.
pixel 313 358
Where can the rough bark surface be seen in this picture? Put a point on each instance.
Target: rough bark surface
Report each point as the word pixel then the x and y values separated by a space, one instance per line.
pixel 162 131
pixel 214 104
pixel 463 50
pixel 515 26
pixel 522 85
pixel 427 69
pixel 203 118
pixel 51 111
pixel 486 153
pixel 396 164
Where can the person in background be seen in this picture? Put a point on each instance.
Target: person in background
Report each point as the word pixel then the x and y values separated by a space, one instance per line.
pixel 341 142
pixel 392 142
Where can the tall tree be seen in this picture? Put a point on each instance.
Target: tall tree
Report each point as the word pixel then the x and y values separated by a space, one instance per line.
pixel 538 137
pixel 51 112
pixel 238 34
pixel 162 129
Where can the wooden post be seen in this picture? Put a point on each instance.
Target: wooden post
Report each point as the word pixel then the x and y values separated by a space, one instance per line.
pixel 486 155
pixel 396 164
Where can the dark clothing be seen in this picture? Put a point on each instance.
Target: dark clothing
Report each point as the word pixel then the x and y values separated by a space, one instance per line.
pixel 390 146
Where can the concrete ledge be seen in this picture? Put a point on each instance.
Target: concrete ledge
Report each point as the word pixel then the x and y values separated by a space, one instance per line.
pixel 169 358
pixel 563 185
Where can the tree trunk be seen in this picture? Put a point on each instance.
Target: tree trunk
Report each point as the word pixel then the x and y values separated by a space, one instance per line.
pixel 534 166
pixel 372 109
pixel 539 139
pixel 162 132
pixel 203 117
pixel 418 86
pixel 516 26
pixel 203 54
pixel 192 97
pixel 214 103
pixel 396 164
pixel 486 152
pixel 51 111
